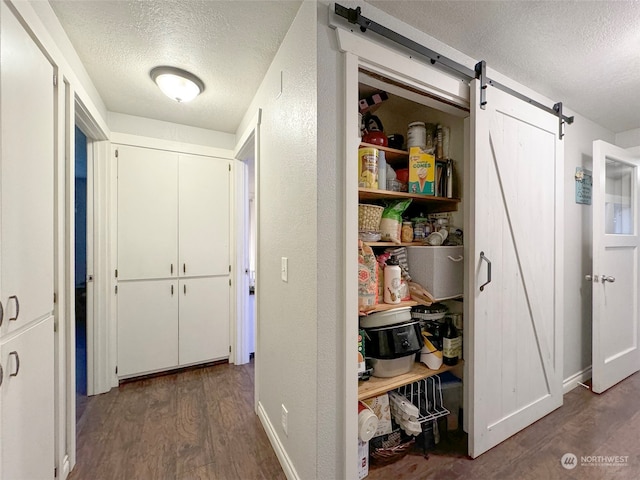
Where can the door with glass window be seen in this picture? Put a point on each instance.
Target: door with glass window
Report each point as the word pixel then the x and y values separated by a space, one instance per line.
pixel 615 274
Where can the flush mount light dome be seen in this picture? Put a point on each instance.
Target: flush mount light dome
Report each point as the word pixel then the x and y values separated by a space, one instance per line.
pixel 177 84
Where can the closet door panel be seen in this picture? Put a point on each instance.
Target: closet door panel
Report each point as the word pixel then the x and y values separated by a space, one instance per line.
pixel 147 213
pixel 204 319
pixel 26 408
pixel 26 177
pixel 147 326
pixel 204 216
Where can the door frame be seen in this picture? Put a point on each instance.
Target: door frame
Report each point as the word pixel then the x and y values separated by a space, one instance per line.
pixel 248 145
pixel 359 51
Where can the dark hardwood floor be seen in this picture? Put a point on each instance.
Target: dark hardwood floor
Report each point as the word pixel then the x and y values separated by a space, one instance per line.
pixel 200 424
pixel 196 424
pixel 587 425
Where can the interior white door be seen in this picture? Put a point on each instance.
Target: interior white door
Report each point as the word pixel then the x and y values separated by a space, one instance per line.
pixel 513 205
pixel 147 326
pixel 147 213
pixel 616 276
pixel 26 189
pixel 204 218
pixel 204 319
pixel 27 407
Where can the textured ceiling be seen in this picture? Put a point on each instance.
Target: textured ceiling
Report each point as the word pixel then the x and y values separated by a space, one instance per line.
pixel 583 53
pixel 228 44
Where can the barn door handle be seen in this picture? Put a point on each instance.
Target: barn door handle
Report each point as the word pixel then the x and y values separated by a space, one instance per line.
pixel 14 353
pixel 15 298
pixel 483 257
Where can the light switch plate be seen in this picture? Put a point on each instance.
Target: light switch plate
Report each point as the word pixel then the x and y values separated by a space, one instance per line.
pixel 284 269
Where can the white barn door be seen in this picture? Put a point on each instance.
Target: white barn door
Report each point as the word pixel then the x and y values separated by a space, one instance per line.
pixel 616 276
pixel 514 202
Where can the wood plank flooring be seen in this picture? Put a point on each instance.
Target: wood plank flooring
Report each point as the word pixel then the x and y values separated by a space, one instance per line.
pixel 587 425
pixel 200 424
pixel 196 424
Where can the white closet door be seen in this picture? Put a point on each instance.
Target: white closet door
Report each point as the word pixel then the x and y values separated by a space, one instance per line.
pixel 27 134
pixel 147 213
pixel 147 326
pixel 204 216
pixel 616 272
pixel 514 208
pixel 204 319
pixel 27 411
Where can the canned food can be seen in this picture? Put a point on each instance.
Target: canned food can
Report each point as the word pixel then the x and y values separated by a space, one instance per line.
pixel 368 167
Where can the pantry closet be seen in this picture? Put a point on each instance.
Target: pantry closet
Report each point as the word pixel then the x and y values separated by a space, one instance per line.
pixel 508 158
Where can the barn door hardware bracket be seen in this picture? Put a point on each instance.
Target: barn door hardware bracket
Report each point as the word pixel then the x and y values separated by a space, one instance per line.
pixel 353 16
pixel 481 75
pixel 562 120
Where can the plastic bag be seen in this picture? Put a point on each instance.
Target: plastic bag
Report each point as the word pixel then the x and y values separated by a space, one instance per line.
pixel 367 278
pixel 391 222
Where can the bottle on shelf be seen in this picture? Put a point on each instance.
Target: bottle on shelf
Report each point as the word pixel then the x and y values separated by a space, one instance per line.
pixel 392 282
pixel 450 343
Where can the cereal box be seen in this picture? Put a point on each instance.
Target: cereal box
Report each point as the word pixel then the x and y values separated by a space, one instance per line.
pixel 422 167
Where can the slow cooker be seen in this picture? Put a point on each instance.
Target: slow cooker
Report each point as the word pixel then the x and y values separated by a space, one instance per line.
pixel 392 339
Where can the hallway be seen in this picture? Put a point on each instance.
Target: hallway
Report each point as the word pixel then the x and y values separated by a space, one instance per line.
pixel 197 424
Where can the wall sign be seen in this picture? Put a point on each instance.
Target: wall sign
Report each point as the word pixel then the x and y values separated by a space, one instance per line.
pixel 584 181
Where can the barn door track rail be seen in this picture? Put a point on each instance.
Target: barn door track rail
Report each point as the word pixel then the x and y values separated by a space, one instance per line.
pixel 353 16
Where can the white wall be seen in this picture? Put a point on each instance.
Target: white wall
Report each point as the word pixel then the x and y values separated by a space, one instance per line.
pixel 147 127
pixel 578 152
pixel 287 353
pixel 628 139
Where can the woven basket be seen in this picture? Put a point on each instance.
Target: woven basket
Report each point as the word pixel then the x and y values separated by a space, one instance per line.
pixel 369 217
pixel 384 456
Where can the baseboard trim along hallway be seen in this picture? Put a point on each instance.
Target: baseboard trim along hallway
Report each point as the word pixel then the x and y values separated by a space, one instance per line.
pixel 278 448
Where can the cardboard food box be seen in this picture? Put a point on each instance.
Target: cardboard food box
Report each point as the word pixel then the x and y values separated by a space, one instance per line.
pixel 380 406
pixel 363 459
pixel 422 168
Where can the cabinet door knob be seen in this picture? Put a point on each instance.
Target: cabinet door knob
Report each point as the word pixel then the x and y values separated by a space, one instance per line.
pixel 15 299
pixel 606 278
pixel 15 354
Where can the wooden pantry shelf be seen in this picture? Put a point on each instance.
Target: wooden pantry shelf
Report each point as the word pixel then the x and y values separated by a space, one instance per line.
pixel 428 202
pixel 377 386
pixel 383 307
pixel 391 244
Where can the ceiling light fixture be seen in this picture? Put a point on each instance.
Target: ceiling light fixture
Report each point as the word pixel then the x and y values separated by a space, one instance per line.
pixel 177 84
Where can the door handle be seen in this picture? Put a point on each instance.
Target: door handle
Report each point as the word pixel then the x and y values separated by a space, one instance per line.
pixel 608 279
pixel 1 317
pixel 15 298
pixel 172 290
pixel 172 269
pixel 185 288
pixel 15 354
pixel 1 375
pixel 483 257
pixel 184 268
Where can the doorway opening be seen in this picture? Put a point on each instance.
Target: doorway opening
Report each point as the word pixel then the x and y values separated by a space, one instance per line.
pixel 80 262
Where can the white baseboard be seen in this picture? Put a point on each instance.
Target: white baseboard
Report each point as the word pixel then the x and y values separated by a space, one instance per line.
pixel 65 470
pixel 573 381
pixel 281 453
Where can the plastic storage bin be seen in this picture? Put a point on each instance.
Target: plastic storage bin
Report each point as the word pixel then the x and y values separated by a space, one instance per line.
pixel 438 269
